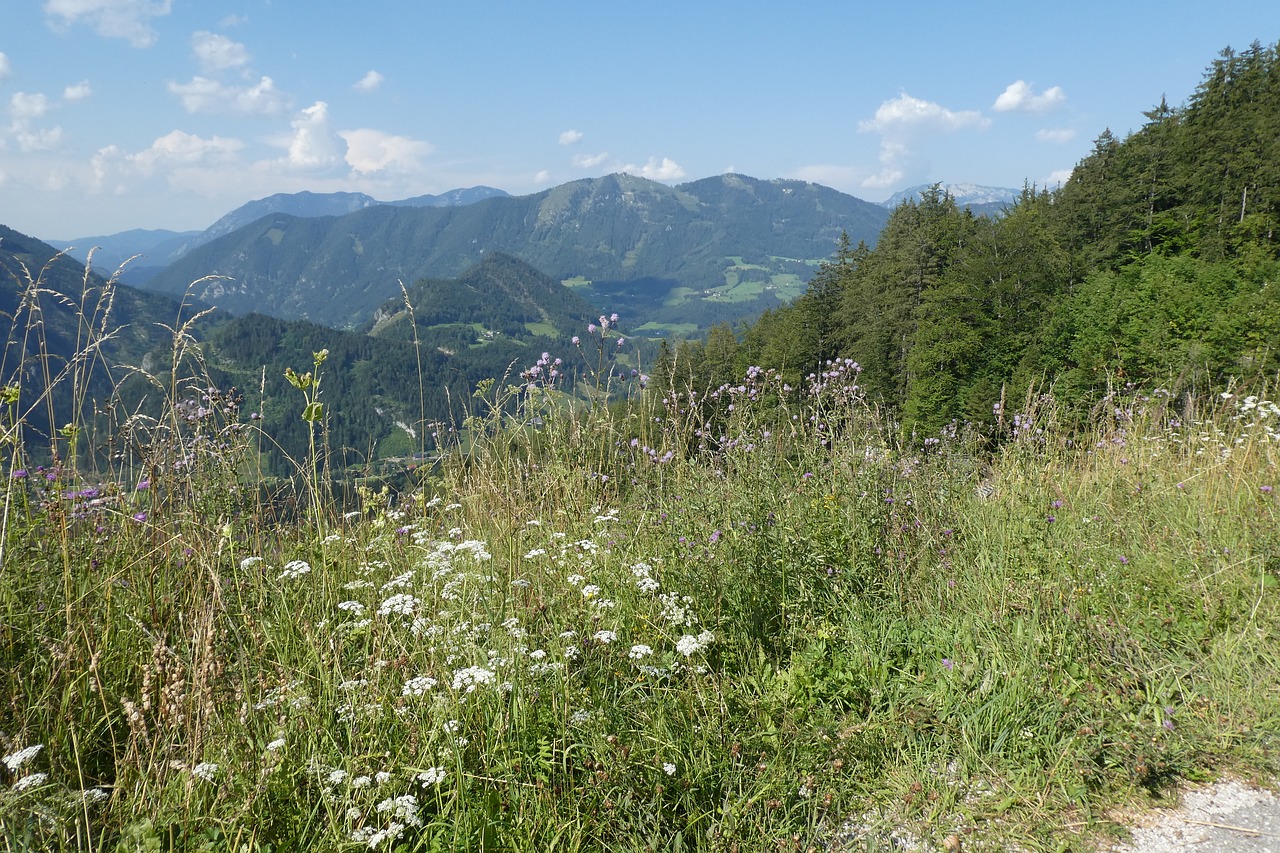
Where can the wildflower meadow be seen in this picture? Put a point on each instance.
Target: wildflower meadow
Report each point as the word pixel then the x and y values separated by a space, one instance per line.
pixel 745 618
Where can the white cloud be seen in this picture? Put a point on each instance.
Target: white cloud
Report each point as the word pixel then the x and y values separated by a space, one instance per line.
pixel 6 70
pixel 42 139
pixel 1056 135
pixel 1020 97
pixel 124 19
pixel 901 122
pixel 589 161
pixel 24 107
pixel 77 92
pixel 1058 177
pixel 571 137
pixel 905 111
pixel 369 82
pixel 174 150
pixel 203 95
pixel 655 170
pixel 895 157
pixel 217 52
pixel 312 146
pixel 370 151
pixel 542 177
pixel 233 21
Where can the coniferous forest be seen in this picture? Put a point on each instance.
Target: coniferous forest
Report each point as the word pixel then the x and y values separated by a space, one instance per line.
pixel 1155 263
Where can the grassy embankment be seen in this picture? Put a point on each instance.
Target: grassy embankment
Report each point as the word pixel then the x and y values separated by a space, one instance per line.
pixel 629 632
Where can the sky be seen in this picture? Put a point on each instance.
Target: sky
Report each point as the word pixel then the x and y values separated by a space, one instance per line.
pixel 121 114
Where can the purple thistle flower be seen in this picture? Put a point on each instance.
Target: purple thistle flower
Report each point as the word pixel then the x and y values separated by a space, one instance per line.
pixel 948 664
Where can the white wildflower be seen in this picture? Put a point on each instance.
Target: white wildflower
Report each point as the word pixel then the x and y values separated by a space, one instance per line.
pixel 606 637
pixel 355 608
pixel 536 552
pixel 30 781
pixel 402 603
pixel 668 768
pixel 472 677
pixel 276 745
pixel 417 686
pixel 689 645
pixel 590 591
pixel 432 776
pixel 294 569
pixel 15 760
pixel 249 562
pixel 639 652
pixel 205 771
pixel 382 777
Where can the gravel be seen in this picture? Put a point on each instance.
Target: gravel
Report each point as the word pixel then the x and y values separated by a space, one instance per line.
pixel 1226 817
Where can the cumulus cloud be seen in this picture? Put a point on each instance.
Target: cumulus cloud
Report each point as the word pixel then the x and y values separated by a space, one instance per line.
pixel 113 167
pixel 542 177
pixel 123 19
pixel 217 52
pixel 1056 135
pixel 905 111
pixel 369 82
pixel 1020 97
pixel 370 151
pixel 589 161
pixel 77 92
pixel 571 137
pixel 24 107
pixel 24 110
pixel 36 139
pixel 203 95
pixel 5 68
pixel 901 122
pixel 665 169
pixel 312 145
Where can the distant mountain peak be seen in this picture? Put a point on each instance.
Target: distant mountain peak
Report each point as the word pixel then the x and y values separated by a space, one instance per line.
pixel 966 194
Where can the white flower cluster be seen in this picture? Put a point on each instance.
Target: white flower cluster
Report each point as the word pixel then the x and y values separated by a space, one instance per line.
pixel 15 760
pixel 645 581
pixel 640 652
pixel 401 813
pixel 417 686
pixel 677 610
pixel 401 603
pixel 432 776
pixel 472 677
pixel 689 645
pixel 294 569
pixel 205 771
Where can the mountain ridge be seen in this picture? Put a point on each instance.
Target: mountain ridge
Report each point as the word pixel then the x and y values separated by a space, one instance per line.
pixel 719 248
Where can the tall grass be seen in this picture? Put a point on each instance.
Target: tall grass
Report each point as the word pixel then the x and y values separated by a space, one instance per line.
pixel 734 619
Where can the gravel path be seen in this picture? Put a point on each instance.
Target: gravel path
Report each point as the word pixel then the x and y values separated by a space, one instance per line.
pixel 1226 817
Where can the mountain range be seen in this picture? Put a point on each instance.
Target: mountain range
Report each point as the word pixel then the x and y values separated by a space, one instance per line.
pixel 681 258
pixel 161 247
pixel 983 201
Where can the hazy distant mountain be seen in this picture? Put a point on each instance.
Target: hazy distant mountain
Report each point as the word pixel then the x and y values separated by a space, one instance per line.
pixel 451 198
pixel 721 248
pixel 113 250
pixel 983 201
pixel 160 247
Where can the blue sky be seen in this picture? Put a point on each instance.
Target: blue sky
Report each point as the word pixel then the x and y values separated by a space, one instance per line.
pixel 118 114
